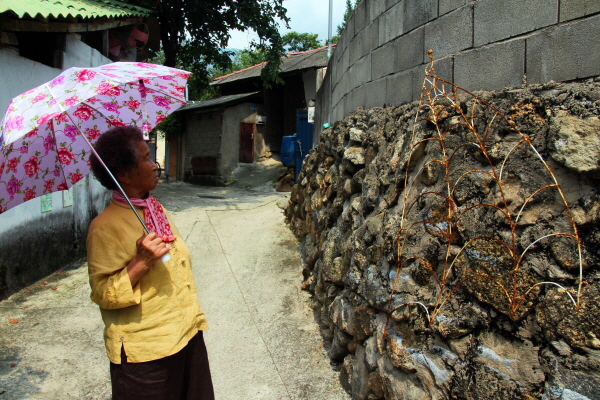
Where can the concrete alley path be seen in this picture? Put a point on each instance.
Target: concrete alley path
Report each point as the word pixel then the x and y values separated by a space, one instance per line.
pixel 263 342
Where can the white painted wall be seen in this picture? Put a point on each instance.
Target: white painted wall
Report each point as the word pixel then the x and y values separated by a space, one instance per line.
pixel 310 84
pixel 17 75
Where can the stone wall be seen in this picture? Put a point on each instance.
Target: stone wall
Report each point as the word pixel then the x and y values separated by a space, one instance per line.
pixel 480 45
pixel 442 257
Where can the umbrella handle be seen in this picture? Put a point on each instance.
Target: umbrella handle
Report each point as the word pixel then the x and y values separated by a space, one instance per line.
pixel 166 257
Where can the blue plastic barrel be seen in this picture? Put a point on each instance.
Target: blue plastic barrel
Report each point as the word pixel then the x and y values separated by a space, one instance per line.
pixel 288 158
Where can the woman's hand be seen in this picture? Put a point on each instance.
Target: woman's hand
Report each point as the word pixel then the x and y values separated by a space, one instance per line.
pixel 149 248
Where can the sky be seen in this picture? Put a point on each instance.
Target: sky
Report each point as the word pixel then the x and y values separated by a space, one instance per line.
pixel 306 16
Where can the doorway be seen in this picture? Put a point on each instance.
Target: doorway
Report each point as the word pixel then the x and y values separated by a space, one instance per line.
pixel 247 142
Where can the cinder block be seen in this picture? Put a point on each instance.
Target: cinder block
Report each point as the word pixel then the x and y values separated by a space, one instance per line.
pixel 491 67
pixel 496 20
pixel 571 9
pixel 356 47
pixel 390 3
pixel 450 33
pixel 419 12
pixel 402 53
pixel 382 60
pixel 360 17
pixel 371 41
pixel 391 24
pixel 364 69
pixel 345 60
pixel 447 6
pixel 565 52
pixel 444 68
pixel 349 30
pixel 399 88
pixel 357 97
pixel 410 49
pixel 375 93
pixel 375 9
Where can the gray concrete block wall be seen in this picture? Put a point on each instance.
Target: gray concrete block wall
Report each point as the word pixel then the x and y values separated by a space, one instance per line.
pixel 478 44
pixel 495 20
pixel 565 52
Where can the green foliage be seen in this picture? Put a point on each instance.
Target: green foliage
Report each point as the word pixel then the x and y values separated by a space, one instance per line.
pixel 171 126
pixel 294 41
pixel 347 14
pixel 194 34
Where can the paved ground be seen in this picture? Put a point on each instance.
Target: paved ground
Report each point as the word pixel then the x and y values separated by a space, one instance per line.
pixel 263 342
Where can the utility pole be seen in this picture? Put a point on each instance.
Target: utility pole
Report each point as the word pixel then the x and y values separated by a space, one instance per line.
pixel 329 39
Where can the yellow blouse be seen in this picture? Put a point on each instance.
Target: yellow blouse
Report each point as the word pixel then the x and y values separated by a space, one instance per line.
pixel 160 314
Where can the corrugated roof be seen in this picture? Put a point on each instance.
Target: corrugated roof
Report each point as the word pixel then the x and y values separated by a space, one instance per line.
pixel 316 58
pixel 218 101
pixel 72 8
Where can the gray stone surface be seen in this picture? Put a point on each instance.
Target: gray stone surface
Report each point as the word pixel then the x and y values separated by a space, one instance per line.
pixel 399 88
pixel 447 6
pixel 360 17
pixel 564 52
pixel 375 9
pixel 391 24
pixel 492 67
pixel 374 92
pixel 450 33
pixel 479 339
pixel 488 49
pixel 496 20
pixel 571 9
pixel 419 12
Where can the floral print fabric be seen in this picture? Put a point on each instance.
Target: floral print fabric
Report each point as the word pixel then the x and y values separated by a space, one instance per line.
pixel 41 145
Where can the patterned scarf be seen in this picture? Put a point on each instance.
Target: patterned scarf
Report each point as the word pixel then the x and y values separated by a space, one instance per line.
pixel 154 215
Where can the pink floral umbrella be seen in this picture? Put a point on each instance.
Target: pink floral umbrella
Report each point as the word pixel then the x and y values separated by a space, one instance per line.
pixel 47 132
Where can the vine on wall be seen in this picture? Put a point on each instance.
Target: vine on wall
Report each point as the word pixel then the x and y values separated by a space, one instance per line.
pixel 500 251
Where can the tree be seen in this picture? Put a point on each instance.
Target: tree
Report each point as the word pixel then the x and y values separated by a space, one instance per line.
pixel 294 41
pixel 347 14
pixel 194 33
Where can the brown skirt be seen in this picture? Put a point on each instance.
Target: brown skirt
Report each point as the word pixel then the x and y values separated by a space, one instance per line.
pixel 182 376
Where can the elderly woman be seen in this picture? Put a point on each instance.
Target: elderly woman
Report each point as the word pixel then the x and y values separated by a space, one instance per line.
pixel 153 322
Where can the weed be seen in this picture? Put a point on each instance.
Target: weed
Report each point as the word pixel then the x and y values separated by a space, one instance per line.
pixel 439 194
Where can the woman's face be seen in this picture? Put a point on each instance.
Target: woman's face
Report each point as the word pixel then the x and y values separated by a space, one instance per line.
pixel 143 178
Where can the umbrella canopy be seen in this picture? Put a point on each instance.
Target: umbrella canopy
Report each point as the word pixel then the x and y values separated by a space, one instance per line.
pixel 47 131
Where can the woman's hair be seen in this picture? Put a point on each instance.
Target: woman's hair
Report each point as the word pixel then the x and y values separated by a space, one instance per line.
pixel 118 148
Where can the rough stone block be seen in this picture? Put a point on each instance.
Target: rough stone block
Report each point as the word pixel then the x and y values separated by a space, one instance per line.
pixel 565 52
pixel 360 72
pixel 382 61
pixel 390 3
pixel 451 33
pixel 375 93
pixel 360 17
pixel 357 98
pixel 399 88
pixel 444 68
pixel 447 6
pixel 571 9
pixel 419 12
pixel 345 60
pixel 410 50
pixel 492 67
pixel 391 24
pixel 355 49
pixel 372 41
pixel 375 9
pixel 496 20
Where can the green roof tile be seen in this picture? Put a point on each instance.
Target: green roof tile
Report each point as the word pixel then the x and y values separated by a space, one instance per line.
pixel 72 8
